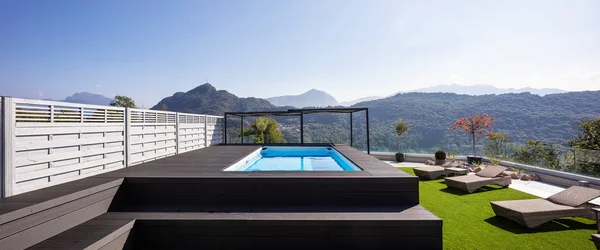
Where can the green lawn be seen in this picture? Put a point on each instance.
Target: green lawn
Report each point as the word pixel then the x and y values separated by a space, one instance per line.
pixel 470 223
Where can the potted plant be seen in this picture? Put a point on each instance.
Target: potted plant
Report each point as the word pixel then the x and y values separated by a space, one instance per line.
pixel 440 157
pixel 401 129
pixel 475 126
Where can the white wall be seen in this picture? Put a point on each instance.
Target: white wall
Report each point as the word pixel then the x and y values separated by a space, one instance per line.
pixel 47 143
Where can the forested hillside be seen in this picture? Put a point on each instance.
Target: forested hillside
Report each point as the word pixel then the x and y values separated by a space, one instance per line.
pixel 551 118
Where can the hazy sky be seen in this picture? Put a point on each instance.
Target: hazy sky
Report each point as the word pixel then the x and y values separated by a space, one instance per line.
pixel 351 49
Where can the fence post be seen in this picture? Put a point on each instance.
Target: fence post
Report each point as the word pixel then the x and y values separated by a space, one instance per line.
pixel 177 133
pixel 1 147
pixel 205 131
pixel 127 138
pixel 8 132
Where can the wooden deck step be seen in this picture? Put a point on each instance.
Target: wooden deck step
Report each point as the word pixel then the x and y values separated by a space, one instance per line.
pixel 31 218
pixel 411 227
pixel 98 233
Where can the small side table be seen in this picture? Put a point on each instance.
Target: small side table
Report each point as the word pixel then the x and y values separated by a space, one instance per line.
pixel 456 171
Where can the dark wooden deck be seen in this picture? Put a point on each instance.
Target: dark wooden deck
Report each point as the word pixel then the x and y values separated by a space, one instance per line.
pixel 186 200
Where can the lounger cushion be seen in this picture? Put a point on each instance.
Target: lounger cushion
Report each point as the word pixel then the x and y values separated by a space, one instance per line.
pixel 452 164
pixel 491 171
pixel 532 206
pixel 575 196
pixel 431 169
pixel 469 178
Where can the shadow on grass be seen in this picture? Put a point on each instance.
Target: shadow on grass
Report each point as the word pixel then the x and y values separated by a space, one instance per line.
pixel 423 179
pixel 553 226
pixel 456 191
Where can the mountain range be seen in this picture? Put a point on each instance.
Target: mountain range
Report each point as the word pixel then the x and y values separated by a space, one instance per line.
pixel 522 116
pixel 318 98
pixel 484 89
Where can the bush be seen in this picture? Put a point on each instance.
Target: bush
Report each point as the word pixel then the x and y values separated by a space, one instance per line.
pixel 440 155
pixel 495 162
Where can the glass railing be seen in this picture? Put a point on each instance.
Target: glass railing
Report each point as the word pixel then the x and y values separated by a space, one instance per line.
pixel 546 155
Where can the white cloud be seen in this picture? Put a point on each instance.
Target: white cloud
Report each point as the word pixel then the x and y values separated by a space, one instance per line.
pixel 41 94
pixel 98 85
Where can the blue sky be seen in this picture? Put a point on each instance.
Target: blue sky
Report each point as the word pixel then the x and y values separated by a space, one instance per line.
pixel 151 49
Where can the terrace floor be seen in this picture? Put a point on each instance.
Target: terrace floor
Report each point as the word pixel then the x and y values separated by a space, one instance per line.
pixel 186 200
pixel 470 223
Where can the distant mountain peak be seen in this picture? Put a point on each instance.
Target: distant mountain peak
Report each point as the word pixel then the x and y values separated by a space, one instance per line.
pixel 206 99
pixel 204 88
pixel 89 98
pixel 310 98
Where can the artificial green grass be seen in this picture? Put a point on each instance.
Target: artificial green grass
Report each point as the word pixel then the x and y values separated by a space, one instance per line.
pixel 470 223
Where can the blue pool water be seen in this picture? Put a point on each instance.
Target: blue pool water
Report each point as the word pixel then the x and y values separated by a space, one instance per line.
pixel 284 158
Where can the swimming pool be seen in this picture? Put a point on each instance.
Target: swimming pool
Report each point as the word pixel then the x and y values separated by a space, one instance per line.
pixel 289 158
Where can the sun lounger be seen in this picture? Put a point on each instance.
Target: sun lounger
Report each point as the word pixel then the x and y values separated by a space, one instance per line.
pixel 430 173
pixel 434 172
pixel 470 183
pixel 531 213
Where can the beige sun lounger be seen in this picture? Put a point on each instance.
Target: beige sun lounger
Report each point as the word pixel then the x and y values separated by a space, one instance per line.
pixel 470 183
pixel 430 173
pixel 534 212
pixel 434 172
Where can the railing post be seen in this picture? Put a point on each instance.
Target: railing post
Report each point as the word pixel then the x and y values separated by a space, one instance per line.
pixel 176 132
pixel 8 136
pixel 127 137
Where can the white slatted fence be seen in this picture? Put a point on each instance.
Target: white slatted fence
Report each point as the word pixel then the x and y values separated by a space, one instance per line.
pixel 52 142
pixel 153 135
pixel 45 143
pixel 191 132
pixel 214 130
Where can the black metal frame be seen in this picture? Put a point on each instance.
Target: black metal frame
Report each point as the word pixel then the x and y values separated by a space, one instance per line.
pixel 301 113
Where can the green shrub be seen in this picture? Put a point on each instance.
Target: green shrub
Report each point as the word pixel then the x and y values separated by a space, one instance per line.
pixel 494 161
pixel 440 155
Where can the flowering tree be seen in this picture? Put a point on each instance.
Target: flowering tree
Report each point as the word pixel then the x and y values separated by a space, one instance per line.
pixel 476 126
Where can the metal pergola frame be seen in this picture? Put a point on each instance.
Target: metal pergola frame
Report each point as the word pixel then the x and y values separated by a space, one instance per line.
pixel 300 113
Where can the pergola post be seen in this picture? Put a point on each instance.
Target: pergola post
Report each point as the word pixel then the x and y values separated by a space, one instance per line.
pixel 224 128
pixel 301 128
pixel 351 132
pixel 242 128
pixel 368 141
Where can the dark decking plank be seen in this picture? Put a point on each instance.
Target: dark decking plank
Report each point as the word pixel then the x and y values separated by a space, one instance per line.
pixel 200 162
pixel 369 163
pixel 43 216
pixel 93 234
pixel 41 232
pixel 32 202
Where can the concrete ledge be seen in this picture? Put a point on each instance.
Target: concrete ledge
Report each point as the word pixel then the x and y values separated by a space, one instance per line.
pixel 420 158
pixel 555 177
